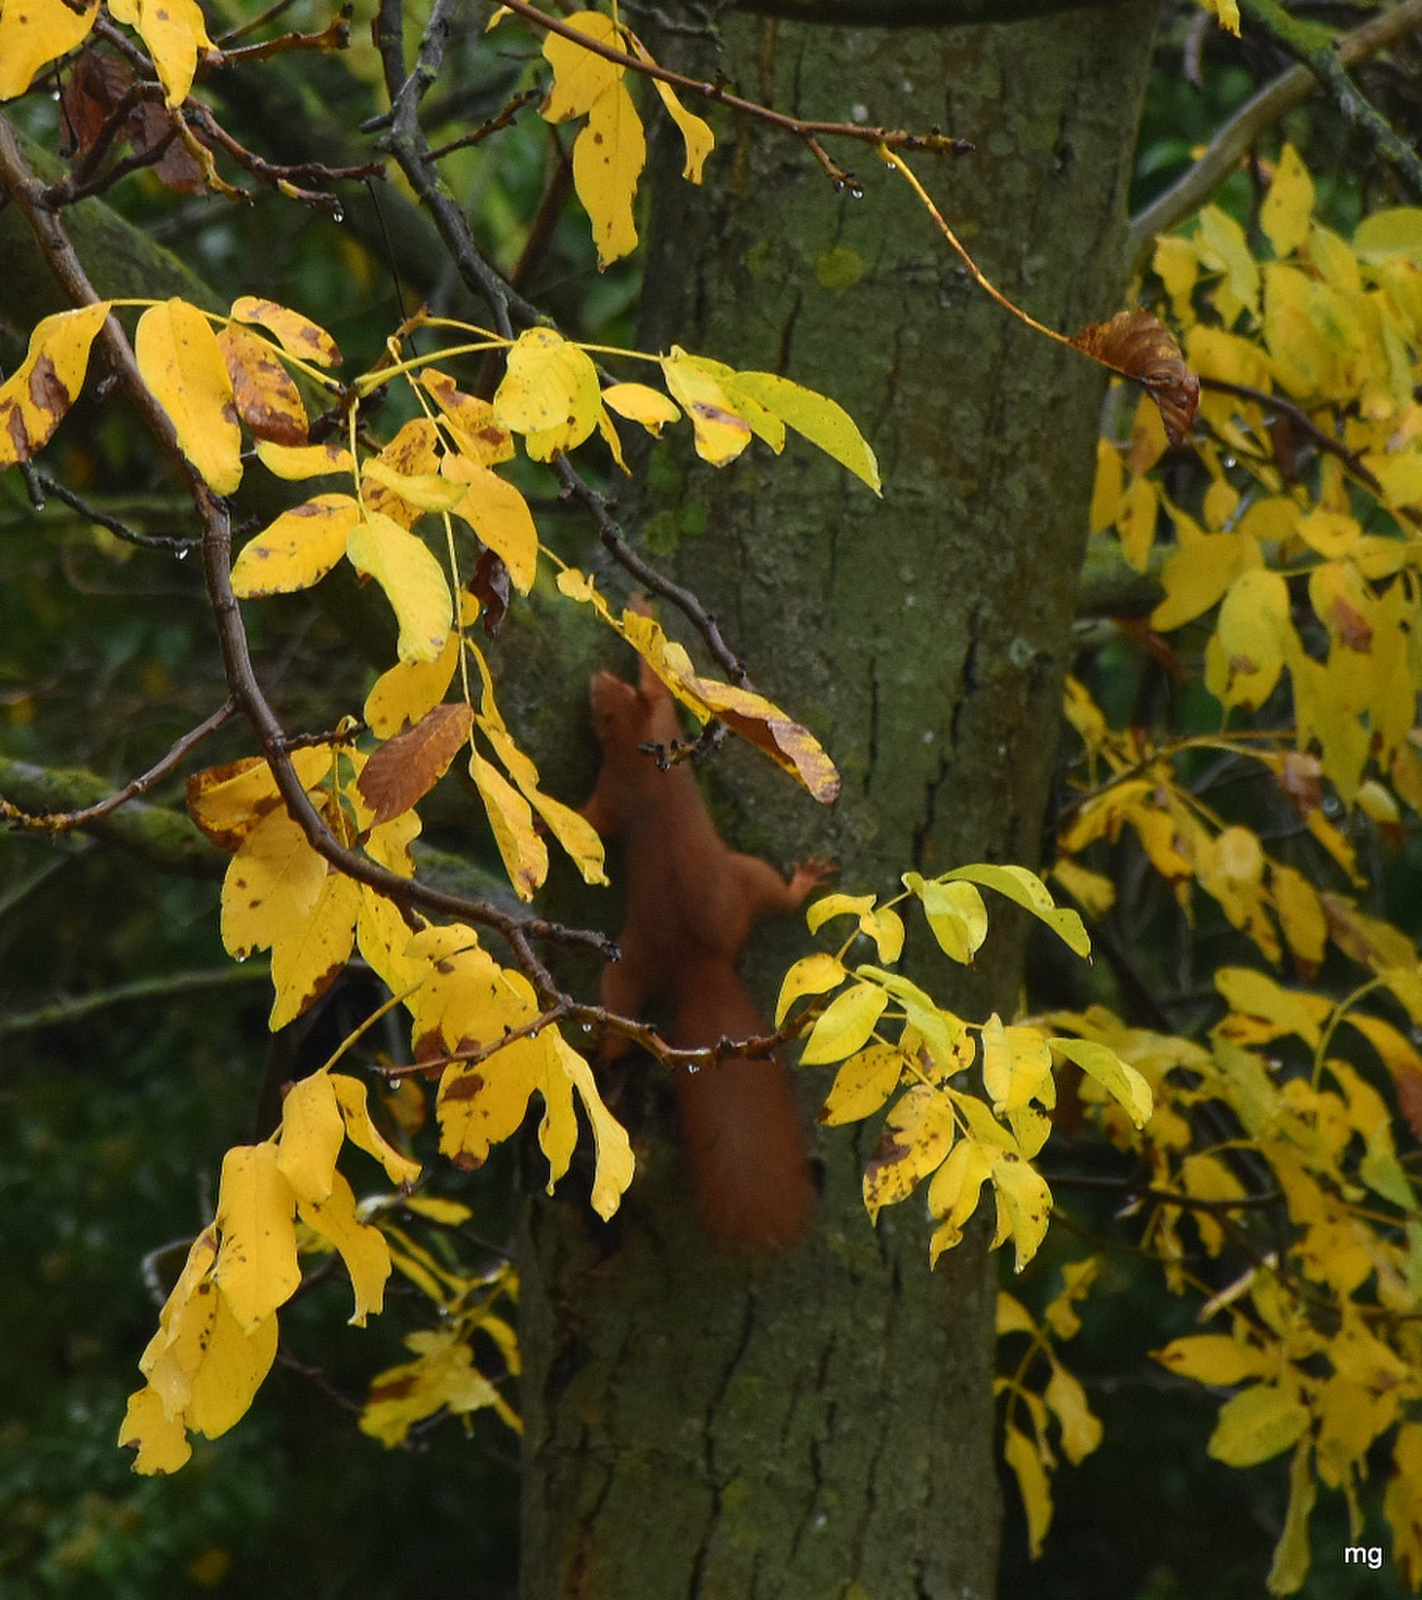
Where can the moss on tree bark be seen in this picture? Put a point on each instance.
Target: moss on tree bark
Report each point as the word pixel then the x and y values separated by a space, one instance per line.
pixel 822 1426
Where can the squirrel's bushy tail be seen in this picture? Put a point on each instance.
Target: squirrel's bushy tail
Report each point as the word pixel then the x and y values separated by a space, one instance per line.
pixel 741 1131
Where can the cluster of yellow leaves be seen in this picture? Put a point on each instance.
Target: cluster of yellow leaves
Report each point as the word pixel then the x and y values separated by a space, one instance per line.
pixel 1321 1340
pixel 1061 1400
pixel 217 1333
pixel 610 149
pixel 34 33
pixel 469 1306
pixel 898 1048
pixel 1322 1319
pixel 1309 573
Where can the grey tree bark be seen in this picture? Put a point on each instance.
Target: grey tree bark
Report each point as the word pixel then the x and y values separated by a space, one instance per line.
pixel 823 1425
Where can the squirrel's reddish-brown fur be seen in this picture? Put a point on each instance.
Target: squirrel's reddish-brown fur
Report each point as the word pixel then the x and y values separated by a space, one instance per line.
pixel 691 901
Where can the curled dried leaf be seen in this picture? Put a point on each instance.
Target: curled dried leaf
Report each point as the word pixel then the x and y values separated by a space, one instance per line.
pixel 1137 345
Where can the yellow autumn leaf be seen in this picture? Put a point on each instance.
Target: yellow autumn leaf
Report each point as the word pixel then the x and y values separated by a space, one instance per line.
pixel 1024 1203
pixel 845 1025
pixel 640 403
pixel 174 33
pixel 1292 1556
pixel 1288 206
pixel 298 549
pixel 1255 994
pixel 955 913
pixel 1226 242
pixel 362 1248
pixel 1300 911
pixel 524 854
pixel 1136 519
pixel 863 1083
pixel 35 397
pixel 469 421
pixel 824 422
pixel 1214 1358
pixel 608 156
pixel 1032 1484
pixel 479 1107
pixel 233 1365
pixel 1253 638
pixel 413 581
pixel 954 1191
pixel 442 1378
pixel 812 974
pixel 296 462
pixel 580 76
pixel 270 886
pixel 423 491
pixel 264 392
pixel 35 32
pixel 354 1107
pixel 311 956
pixel 549 393
pixel 256 1266
pixel 613 1160
pixel 918 1134
pixel 1120 1080
pixel 161 1440
pixel 570 828
pixel 227 802
pixel 1026 889
pixel 1200 572
pixel 1017 1066
pixel 1081 1429
pixel 499 515
pixel 695 133
pixel 181 362
pixel 311 1135
pixel 409 690
pixel 466 998
pixel 721 432
pixel 1256 1424
pixel 296 334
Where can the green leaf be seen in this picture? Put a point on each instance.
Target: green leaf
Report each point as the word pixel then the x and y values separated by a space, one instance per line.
pixel 824 422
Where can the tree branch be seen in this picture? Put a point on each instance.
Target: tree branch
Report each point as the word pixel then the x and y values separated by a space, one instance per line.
pixel 1314 47
pixel 1234 139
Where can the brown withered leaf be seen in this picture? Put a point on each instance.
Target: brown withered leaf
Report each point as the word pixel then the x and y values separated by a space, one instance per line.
pixel 1137 345
pixel 1409 1098
pixel 404 769
pixel 268 400
pixel 490 586
pixel 92 90
pixel 93 94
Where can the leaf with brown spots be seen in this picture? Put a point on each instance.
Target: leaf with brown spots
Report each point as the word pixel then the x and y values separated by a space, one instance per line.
pixel 1136 344
pixel 297 335
pixel 404 769
pixel 36 395
pixel 267 399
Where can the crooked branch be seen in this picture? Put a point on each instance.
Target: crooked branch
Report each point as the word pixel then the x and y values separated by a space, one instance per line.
pixel 1232 142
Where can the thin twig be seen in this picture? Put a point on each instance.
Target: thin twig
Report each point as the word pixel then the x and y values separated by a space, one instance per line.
pixel 79 1008
pixel 120 530
pixel 1232 141
pixel 64 821
pixel 717 93
pixel 1315 47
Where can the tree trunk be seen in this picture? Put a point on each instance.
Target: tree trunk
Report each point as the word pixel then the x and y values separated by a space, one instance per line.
pixel 822 1425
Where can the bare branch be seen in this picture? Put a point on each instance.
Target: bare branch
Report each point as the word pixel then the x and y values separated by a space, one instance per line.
pixel 1232 142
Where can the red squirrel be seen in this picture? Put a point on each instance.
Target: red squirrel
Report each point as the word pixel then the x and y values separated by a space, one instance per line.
pixel 691 901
